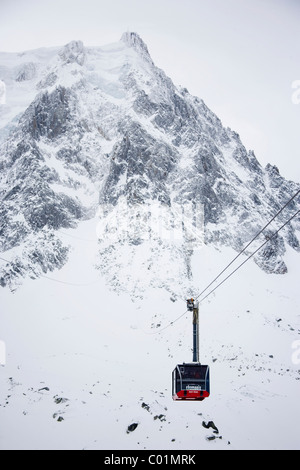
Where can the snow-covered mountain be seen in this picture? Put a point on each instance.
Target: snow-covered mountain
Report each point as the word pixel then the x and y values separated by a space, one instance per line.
pixel 83 126
pixel 126 187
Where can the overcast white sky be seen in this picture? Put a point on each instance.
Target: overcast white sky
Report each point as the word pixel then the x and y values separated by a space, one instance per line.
pixel 242 57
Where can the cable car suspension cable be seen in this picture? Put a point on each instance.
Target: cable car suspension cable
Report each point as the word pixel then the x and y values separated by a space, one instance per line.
pixel 250 256
pixel 247 246
pixel 234 271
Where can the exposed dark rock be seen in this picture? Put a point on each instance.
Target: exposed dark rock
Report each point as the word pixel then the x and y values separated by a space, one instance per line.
pixel 210 424
pixel 161 417
pixel 145 406
pixel 132 427
pixel 49 114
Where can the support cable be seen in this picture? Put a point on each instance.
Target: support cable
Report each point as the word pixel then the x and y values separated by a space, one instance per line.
pixel 250 256
pixel 251 241
pixel 235 270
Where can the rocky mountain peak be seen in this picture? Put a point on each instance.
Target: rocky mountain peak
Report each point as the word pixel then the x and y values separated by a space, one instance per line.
pixel 133 40
pixel 73 52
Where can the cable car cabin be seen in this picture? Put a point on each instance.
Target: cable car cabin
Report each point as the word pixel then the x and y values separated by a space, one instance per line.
pixel 190 382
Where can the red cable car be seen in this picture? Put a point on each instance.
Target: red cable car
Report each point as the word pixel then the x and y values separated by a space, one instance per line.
pixel 190 381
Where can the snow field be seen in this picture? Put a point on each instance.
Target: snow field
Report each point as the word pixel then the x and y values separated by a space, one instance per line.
pixel 107 364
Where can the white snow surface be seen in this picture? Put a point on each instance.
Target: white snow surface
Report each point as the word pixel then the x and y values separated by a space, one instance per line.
pixel 82 360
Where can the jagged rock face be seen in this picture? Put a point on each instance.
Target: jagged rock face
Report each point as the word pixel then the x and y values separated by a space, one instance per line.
pixel 73 52
pixel 26 72
pixel 49 115
pixel 104 128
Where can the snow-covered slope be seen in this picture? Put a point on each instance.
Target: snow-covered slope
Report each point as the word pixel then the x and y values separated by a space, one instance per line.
pixel 121 195
pixel 100 362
